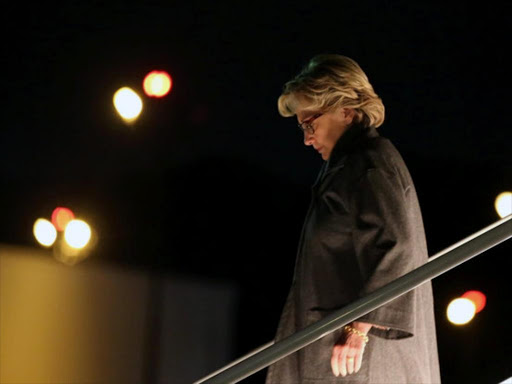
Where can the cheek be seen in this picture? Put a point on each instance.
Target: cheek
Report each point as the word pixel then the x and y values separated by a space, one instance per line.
pixel 329 140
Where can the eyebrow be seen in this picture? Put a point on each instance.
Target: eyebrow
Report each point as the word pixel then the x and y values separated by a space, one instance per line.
pixel 307 116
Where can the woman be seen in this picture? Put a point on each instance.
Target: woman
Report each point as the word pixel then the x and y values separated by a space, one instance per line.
pixel 363 230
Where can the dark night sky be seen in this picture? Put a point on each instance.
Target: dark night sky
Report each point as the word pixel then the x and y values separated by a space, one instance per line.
pixel 211 181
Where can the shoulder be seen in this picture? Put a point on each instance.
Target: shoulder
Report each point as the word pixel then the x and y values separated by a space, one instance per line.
pixel 375 152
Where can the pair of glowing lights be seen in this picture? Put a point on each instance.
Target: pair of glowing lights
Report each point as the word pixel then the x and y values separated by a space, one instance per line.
pixel 77 233
pixel 129 104
pixel 462 310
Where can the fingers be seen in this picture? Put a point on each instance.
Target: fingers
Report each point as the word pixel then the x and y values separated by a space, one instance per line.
pixel 350 364
pixel 334 363
pixel 358 359
pixel 338 364
pixel 341 364
pixel 347 358
pixel 342 361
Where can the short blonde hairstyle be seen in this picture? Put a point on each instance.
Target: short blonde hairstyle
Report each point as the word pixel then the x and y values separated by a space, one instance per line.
pixel 332 81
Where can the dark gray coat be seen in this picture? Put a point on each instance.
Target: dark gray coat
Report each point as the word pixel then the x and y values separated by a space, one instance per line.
pixel 363 229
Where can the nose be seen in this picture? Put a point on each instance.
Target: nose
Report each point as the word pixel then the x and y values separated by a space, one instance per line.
pixel 308 138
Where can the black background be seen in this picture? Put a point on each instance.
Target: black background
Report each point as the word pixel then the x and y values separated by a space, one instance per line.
pixel 212 182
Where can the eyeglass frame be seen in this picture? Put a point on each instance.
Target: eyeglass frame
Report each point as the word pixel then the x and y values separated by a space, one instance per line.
pixel 307 125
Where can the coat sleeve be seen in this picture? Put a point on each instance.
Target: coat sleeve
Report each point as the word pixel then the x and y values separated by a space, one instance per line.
pixel 383 238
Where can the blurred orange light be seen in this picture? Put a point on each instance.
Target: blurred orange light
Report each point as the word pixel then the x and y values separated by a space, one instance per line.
pixel 61 217
pixel 157 83
pixel 478 298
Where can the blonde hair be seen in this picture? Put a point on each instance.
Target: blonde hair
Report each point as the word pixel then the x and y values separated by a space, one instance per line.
pixel 329 82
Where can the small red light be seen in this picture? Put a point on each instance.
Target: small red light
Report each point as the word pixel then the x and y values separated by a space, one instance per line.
pixel 477 297
pixel 61 217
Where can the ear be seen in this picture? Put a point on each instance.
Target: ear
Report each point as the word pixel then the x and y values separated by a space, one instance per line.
pixel 348 114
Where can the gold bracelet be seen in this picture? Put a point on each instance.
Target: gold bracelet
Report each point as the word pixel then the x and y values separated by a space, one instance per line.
pixel 357 332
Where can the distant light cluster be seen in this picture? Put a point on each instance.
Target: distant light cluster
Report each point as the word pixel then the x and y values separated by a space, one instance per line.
pixel 463 309
pixel 129 104
pixel 72 245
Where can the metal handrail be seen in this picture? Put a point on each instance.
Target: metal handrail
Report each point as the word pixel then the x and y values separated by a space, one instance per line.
pixel 244 357
pixel 438 264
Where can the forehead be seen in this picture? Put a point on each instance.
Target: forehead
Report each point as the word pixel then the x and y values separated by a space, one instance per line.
pixel 303 109
pixel 303 115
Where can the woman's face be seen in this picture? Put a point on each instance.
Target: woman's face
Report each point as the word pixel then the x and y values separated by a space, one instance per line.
pixel 328 127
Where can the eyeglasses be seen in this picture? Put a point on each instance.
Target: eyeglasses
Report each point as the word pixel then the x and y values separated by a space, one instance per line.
pixel 307 125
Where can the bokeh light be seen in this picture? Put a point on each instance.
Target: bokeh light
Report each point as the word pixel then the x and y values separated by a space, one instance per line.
pixel 157 84
pixel 503 204
pixel 44 232
pixel 478 298
pixel 128 104
pixel 77 234
pixel 461 311
pixel 61 217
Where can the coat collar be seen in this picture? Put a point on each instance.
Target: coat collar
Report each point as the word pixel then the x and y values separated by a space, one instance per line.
pixel 345 144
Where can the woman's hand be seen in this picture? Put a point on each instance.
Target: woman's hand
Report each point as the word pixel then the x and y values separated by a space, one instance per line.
pixel 347 354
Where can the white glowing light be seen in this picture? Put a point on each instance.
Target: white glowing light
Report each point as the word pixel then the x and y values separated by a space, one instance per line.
pixel 128 104
pixel 77 234
pixel 461 311
pixel 503 204
pixel 44 232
